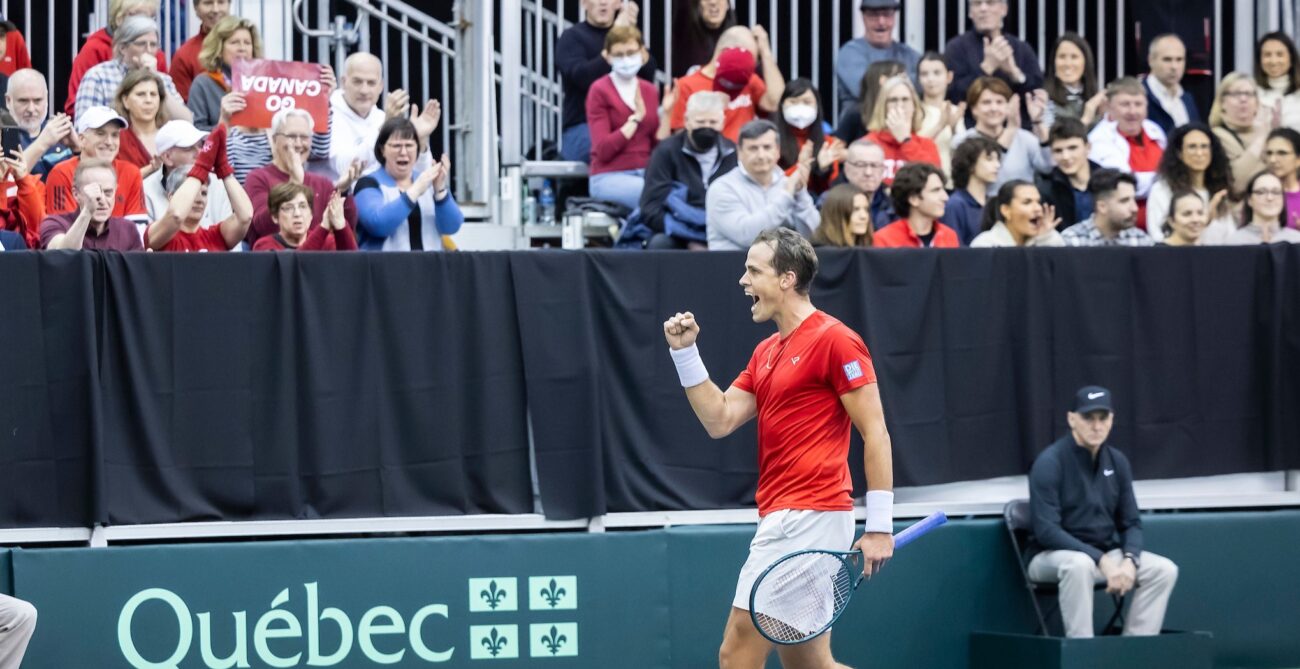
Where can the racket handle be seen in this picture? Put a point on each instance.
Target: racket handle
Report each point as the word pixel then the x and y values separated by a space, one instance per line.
pixel 914 532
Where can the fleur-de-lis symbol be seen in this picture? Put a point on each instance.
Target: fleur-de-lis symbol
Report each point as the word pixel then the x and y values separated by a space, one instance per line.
pixel 553 594
pixel 554 640
pixel 494 642
pixel 493 595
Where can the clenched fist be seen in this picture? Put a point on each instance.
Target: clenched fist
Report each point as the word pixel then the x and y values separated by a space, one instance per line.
pixel 681 330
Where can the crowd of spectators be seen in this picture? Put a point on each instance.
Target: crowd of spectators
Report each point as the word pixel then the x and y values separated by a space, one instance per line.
pixel 145 156
pixel 999 150
pixel 974 146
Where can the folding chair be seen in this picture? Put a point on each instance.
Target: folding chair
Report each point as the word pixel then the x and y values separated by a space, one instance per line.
pixel 1019 527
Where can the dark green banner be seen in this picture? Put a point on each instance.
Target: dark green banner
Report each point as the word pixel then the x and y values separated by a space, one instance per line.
pixel 451 602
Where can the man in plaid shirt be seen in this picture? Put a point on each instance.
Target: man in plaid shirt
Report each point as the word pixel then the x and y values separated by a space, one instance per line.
pixel 1114 216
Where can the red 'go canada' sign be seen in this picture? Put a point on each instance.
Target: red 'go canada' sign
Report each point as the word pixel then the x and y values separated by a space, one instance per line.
pixel 271 85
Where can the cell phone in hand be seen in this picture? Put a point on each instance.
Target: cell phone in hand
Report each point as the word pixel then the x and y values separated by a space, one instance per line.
pixel 10 140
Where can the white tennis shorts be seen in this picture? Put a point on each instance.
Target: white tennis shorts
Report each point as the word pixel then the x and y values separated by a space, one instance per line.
pixel 783 532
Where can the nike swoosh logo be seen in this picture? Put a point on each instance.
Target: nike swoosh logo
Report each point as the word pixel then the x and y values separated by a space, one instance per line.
pixel 1093 396
pixel 1107 472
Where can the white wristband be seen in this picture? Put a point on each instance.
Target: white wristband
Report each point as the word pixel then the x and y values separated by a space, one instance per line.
pixel 880 511
pixel 690 368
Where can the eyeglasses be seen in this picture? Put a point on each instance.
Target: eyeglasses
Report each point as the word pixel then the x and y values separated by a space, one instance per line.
pixel 1240 95
pixel 294 137
pixel 897 101
pixel 291 208
pixel 401 146
pixel 1268 192
pixel 151 45
pixel 864 165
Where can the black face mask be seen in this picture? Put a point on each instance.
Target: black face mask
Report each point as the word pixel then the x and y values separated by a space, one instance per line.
pixel 703 139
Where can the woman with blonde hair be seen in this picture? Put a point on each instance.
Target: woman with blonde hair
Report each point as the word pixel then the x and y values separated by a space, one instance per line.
pixel 895 125
pixel 99 44
pixel 141 100
pixel 211 100
pixel 1242 125
pixel 846 218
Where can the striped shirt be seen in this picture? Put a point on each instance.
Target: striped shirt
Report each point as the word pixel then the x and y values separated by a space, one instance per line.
pixel 248 151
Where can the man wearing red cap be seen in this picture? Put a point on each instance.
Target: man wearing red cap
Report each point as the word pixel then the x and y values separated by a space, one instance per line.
pixel 732 71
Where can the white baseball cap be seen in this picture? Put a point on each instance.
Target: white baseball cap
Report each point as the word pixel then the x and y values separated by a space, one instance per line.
pixel 97 117
pixel 177 133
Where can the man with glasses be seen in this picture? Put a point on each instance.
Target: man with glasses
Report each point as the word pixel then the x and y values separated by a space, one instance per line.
pixel 864 168
pixel 876 44
pixel 291 142
pixel 986 51
pixel 99 132
pixel 1086 524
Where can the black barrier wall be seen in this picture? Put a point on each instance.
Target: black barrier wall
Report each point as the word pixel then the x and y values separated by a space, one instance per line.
pixel 159 388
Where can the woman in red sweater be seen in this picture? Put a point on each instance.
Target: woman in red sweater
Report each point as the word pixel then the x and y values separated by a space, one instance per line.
pixel 621 113
pixel 140 99
pixel 896 124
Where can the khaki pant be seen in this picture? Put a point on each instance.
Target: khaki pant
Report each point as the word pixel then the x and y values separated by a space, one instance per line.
pixel 17 622
pixel 1076 575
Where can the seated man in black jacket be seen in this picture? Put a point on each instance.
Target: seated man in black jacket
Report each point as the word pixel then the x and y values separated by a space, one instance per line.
pixel 1066 186
pixel 1087 527
pixel 680 171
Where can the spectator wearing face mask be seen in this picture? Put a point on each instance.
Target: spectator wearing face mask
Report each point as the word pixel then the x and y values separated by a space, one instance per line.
pixel 681 169
pixel 622 129
pixel 732 71
pixel 804 133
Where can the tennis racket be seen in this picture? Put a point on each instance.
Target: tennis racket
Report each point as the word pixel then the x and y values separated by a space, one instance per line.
pixel 802 594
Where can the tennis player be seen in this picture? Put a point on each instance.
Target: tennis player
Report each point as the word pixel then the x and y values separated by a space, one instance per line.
pixel 806 384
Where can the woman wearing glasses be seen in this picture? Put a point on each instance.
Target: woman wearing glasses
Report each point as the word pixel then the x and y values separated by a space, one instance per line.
pixel 895 125
pixel 1263 214
pixel 1194 160
pixel 1242 125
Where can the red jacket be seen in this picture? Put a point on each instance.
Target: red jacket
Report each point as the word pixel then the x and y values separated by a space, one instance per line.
pixel 344 240
pixel 24 212
pixel 606 113
pixel 899 235
pixel 16 55
pixel 185 63
pixel 97 49
pixel 916 149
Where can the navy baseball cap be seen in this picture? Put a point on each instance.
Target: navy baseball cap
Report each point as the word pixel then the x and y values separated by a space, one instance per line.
pixel 1092 398
pixel 880 4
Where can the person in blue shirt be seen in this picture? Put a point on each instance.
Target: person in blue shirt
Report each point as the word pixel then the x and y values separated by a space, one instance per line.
pixel 975 166
pixel 877 43
pixel 1086 524
pixel 400 208
pixel 45 141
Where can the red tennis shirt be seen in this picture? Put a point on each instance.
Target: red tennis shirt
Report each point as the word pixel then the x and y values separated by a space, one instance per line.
pixel 803 429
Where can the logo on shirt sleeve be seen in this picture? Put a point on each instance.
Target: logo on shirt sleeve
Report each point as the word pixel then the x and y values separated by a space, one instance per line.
pixel 853 371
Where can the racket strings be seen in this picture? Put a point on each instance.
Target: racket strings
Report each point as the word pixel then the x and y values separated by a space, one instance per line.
pixel 802 595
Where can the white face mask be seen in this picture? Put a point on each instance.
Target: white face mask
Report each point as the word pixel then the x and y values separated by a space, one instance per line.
pixel 800 116
pixel 626 67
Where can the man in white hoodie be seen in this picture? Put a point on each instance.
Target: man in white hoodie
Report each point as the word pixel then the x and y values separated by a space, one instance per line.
pixel 357 116
pixel 1127 140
